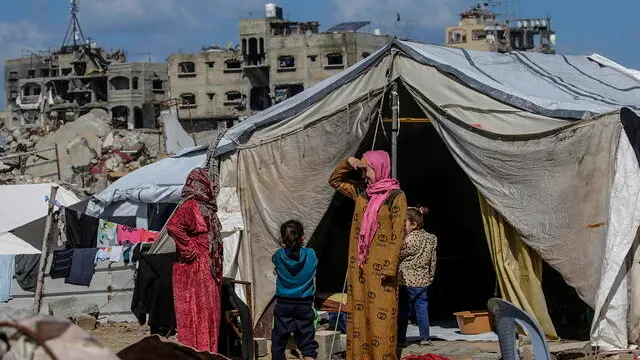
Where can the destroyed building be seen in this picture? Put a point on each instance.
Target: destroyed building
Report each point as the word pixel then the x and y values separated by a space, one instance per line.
pixel 64 83
pixel 480 29
pixel 276 59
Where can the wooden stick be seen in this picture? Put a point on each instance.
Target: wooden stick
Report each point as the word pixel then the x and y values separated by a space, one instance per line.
pixel 37 303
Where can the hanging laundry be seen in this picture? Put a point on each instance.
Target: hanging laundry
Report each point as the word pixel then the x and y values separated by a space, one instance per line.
pixel 7 267
pixel 61 263
pixel 129 235
pixel 27 271
pixel 116 254
pixel 149 236
pixel 126 254
pixel 107 234
pixel 82 267
pixel 81 229
pixel 103 254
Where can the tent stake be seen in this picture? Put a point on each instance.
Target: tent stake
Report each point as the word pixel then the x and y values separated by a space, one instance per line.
pixel 395 126
pixel 37 302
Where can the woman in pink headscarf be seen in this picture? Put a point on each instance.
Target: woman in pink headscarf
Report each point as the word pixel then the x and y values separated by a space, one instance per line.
pixel 377 235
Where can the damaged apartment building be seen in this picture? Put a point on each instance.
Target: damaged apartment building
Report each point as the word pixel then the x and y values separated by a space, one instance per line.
pixel 276 59
pixel 67 82
pixel 479 29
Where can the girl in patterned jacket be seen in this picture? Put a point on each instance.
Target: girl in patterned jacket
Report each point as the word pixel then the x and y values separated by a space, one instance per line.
pixel 417 269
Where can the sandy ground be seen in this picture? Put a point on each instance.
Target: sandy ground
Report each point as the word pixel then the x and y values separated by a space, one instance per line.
pixel 119 336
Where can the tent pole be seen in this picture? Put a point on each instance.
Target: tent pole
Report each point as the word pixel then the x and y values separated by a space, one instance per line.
pixel 37 302
pixel 395 126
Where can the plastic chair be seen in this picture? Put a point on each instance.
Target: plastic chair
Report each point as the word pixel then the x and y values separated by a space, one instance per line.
pixel 506 316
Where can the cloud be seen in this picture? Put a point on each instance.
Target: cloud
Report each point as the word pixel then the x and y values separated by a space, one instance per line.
pixel 159 16
pixel 424 14
pixel 19 36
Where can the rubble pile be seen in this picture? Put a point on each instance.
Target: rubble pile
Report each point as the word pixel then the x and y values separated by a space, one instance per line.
pixel 90 152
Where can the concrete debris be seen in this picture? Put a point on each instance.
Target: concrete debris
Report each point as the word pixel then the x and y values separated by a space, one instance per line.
pixel 72 307
pixel 90 152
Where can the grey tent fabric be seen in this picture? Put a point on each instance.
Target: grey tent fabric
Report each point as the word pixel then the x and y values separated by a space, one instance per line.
pixel 539 136
pixel 567 87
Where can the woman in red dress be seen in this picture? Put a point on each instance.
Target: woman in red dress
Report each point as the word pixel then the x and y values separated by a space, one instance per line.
pixel 197 275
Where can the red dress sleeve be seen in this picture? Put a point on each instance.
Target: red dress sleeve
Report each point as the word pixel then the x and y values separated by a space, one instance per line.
pixel 182 226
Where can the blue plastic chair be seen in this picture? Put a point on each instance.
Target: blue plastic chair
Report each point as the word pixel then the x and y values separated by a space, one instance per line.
pixel 506 316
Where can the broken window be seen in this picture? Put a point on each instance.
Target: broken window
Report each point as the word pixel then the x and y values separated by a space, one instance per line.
pixel 134 83
pixel 283 92
pixel 14 95
pixel 44 73
pixel 189 100
pixel 478 35
pixel 312 58
pixel 233 96
pixel 31 74
pixel 233 64
pixel 54 72
pixel 157 84
pixel 119 83
pixel 457 36
pixel 13 75
pixel 66 71
pixel 31 89
pixel 365 55
pixel 335 59
pixel 211 64
pixel 187 67
pixel 286 62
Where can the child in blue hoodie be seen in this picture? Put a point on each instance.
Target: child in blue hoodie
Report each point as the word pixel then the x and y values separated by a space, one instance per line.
pixel 295 292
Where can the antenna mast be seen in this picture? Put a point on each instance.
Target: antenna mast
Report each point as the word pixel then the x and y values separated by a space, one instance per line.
pixel 73 36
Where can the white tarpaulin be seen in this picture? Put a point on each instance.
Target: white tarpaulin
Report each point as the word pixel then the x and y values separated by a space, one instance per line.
pixel 160 182
pixel 537 134
pixel 24 204
pixel 177 138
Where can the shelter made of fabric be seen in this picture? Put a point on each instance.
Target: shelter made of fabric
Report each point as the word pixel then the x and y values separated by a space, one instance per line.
pixel 540 136
pixel 23 205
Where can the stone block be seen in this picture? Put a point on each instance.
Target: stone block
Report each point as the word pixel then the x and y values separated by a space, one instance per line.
pixel 324 339
pixel 261 347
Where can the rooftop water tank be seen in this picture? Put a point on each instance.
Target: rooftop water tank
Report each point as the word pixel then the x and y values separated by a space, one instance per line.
pixel 270 11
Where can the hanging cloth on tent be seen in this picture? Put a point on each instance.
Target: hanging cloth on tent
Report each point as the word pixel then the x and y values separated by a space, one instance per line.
pixel 61 263
pixel 27 271
pixel 6 276
pixel 81 229
pixel 82 267
pixel 107 234
pixel 518 268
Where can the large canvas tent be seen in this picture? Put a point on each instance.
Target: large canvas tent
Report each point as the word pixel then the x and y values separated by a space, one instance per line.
pixel 547 140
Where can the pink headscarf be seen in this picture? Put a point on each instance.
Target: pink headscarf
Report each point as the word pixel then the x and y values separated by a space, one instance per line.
pixel 378 192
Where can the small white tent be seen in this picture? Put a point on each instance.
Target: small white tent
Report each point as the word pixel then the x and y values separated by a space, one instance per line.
pixel 24 204
pixel 542 138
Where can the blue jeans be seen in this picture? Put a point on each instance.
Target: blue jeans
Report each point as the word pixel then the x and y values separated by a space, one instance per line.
pixel 415 297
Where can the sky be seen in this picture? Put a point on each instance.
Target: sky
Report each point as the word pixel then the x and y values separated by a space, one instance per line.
pixel 157 28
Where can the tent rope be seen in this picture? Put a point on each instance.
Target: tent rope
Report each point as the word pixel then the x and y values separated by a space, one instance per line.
pixel 375 133
pixel 335 330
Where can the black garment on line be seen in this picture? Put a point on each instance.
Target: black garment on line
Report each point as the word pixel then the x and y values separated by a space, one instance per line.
pixel 61 263
pixel 83 265
pixel 81 229
pixel 153 293
pixel 26 272
pixel 228 339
